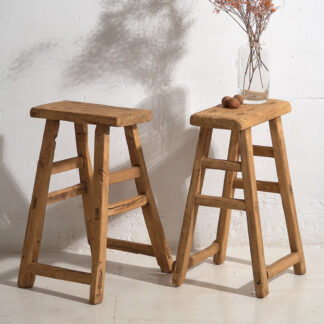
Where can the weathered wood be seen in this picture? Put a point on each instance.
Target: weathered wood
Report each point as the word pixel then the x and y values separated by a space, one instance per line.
pixel 86 176
pixel 204 254
pixel 220 202
pixel 38 205
pixel 124 175
pixel 88 113
pixel 59 273
pixel 266 186
pixel 132 247
pixel 265 151
pixel 220 164
pixel 253 217
pixel 286 191
pixel 240 122
pixel 239 119
pixel 66 165
pixel 66 193
pixel 228 192
pixel 150 212
pixel 100 204
pixel 282 264
pixel 126 205
pixel 189 219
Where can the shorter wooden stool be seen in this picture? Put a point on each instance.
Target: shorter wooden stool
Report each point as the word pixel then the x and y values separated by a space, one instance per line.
pixel 93 187
pixel 240 121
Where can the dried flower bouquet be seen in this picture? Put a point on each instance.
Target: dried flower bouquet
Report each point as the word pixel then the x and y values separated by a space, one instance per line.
pixel 253 17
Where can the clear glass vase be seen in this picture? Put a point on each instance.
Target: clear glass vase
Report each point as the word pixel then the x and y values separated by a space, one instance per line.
pixel 253 73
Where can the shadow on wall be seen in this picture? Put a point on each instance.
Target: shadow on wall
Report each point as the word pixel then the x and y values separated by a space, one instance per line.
pixel 14 207
pixel 135 42
pixel 14 212
pixel 141 42
pixel 169 151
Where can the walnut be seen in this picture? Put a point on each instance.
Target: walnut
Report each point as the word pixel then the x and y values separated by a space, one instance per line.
pixel 225 101
pixel 239 97
pixel 234 103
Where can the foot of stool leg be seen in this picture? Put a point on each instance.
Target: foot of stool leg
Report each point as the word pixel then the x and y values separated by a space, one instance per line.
pixel 38 205
pixel 228 192
pixel 100 204
pixel 189 220
pixel 150 212
pixel 253 217
pixel 286 192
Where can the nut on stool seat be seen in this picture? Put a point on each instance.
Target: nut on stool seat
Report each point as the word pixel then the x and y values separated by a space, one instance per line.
pixel 94 187
pixel 240 122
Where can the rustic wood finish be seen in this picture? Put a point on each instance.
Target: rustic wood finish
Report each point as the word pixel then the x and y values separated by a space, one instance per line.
pixel 220 202
pixel 286 191
pixel 264 151
pixel 94 188
pixel 266 186
pixel 86 176
pixel 282 264
pixel 59 273
pixel 203 254
pixel 66 193
pixel 132 247
pixel 100 204
pixel 221 165
pixel 239 119
pixel 253 217
pixel 66 165
pixel 88 113
pixel 124 175
pixel 228 192
pixel 189 220
pixel 38 205
pixel 240 122
pixel 126 205
pixel 150 212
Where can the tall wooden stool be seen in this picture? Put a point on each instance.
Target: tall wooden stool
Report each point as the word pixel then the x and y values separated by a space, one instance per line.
pixel 240 121
pixel 94 187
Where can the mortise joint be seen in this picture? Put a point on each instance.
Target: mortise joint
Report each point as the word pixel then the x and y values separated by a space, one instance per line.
pixel 34 202
pixel 97 214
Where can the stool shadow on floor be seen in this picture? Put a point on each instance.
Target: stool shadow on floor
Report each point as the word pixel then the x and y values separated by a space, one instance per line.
pixel 9 278
pixel 146 274
pixel 245 290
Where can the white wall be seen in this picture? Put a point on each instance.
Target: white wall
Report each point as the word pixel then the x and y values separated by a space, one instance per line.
pixel 174 57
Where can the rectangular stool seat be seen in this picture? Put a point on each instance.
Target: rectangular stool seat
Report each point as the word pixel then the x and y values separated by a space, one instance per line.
pixel 242 118
pixel 88 113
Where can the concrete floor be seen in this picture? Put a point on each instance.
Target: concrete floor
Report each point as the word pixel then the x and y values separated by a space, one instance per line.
pixel 136 292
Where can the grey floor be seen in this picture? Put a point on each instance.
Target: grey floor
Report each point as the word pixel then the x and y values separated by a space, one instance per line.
pixel 137 292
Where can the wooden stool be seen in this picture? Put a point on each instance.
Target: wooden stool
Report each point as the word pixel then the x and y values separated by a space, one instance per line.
pixel 240 122
pixel 93 187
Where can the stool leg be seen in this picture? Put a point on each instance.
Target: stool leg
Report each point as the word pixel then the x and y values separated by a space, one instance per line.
pixel 189 220
pixel 100 204
pixel 228 192
pixel 286 192
pixel 86 175
pixel 38 205
pixel 150 212
pixel 253 217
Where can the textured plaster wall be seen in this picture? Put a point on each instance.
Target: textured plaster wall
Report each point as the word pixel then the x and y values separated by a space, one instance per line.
pixel 174 57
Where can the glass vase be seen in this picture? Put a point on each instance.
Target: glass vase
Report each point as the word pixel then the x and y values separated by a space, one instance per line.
pixel 253 73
